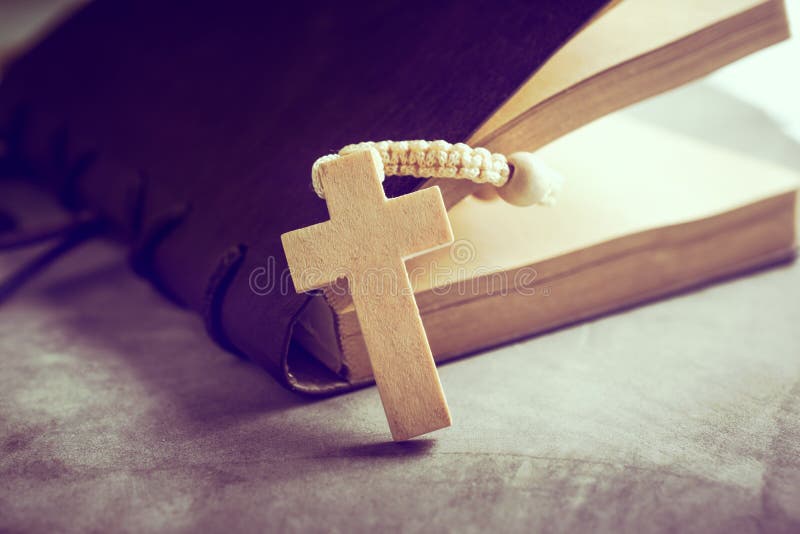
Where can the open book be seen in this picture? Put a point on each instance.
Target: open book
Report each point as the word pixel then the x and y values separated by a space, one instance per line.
pixel 646 213
pixel 630 51
pixel 196 143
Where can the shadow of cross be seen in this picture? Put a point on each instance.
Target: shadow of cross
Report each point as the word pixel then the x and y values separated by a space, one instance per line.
pixel 366 240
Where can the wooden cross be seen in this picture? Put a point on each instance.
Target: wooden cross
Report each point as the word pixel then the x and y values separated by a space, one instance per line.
pixel 366 240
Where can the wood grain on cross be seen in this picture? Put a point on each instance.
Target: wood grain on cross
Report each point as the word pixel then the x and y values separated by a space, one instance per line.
pixel 366 241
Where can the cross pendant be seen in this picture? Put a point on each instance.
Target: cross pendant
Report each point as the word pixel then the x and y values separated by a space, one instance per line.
pixel 366 240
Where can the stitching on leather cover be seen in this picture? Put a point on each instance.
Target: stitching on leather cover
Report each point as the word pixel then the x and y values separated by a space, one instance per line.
pixel 13 131
pixel 68 192
pixel 17 125
pixel 217 286
pixel 136 203
pixel 143 252
pixel 59 143
pixel 7 222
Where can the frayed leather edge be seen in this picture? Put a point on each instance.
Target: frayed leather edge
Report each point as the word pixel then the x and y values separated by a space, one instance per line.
pixel 216 289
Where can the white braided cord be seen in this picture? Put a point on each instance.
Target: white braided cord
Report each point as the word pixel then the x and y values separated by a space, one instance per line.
pixel 428 159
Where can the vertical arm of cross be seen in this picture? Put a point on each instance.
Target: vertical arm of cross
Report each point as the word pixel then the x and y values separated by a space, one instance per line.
pixel 367 239
pixel 401 358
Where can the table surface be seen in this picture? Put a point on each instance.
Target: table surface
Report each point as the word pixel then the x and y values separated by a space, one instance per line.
pixel 117 412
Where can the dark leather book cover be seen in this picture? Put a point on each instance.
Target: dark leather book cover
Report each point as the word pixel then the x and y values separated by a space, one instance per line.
pixel 192 127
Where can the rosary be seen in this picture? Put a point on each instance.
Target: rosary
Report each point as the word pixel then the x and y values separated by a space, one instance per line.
pixel 368 233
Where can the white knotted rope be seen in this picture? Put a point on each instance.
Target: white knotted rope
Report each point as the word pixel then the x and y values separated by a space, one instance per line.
pixel 440 159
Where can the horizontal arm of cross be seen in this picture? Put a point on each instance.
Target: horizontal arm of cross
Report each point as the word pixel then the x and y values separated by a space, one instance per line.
pixel 311 266
pixel 424 219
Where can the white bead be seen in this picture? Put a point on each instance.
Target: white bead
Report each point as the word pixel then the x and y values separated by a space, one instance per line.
pixel 531 181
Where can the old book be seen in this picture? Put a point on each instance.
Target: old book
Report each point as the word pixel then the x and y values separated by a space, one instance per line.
pixel 195 143
pixel 612 63
pixel 648 213
pixel 512 275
